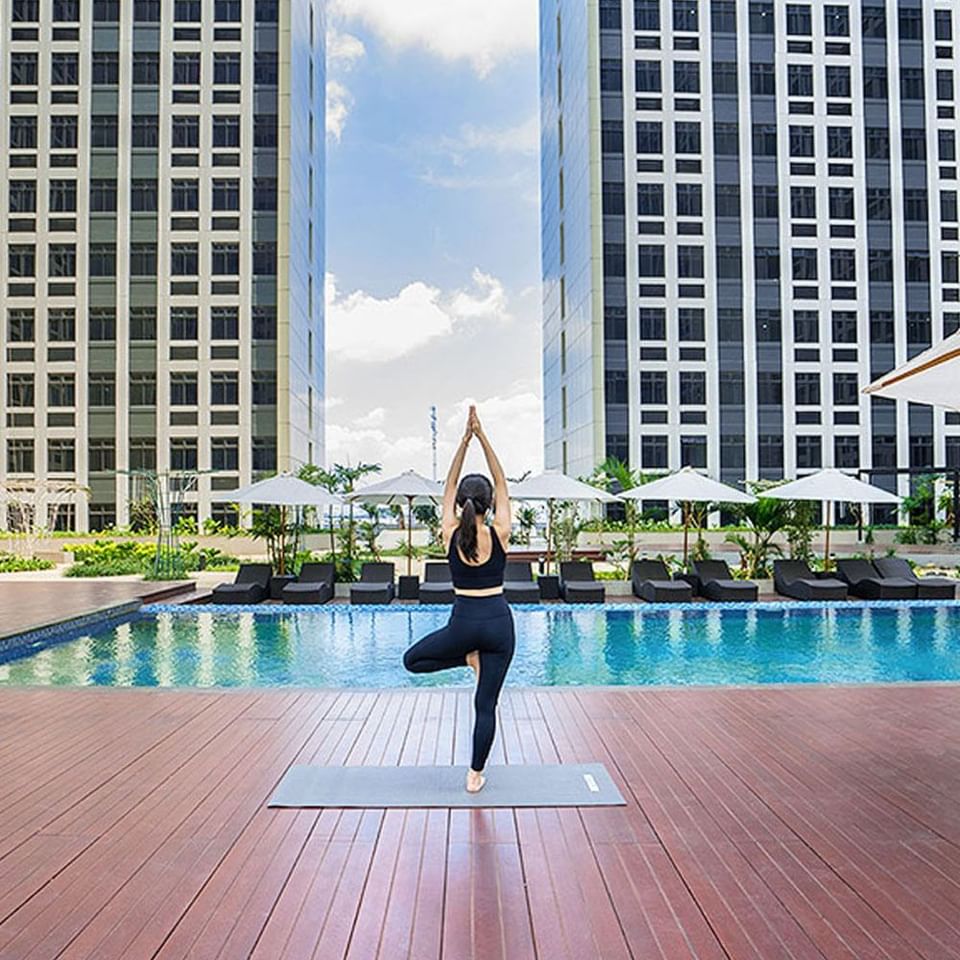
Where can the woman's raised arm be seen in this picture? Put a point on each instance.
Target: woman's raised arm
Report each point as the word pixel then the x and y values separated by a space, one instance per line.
pixel 448 521
pixel 502 521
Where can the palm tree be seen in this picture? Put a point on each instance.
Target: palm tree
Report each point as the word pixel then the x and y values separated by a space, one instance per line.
pixel 615 476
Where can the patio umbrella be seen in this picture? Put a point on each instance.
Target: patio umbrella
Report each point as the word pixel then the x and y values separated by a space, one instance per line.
pixel 284 490
pixel 930 377
pixel 686 486
pixel 552 486
pixel 409 486
pixel 830 486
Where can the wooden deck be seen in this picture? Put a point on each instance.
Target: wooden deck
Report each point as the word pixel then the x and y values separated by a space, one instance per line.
pixel 774 823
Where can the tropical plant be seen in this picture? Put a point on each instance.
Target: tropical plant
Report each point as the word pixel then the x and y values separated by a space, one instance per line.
pixel 369 529
pixel 764 519
pixel 615 476
pixel 279 528
pixel 428 516
pixel 565 528
pixel 13 563
pixel 527 521
pixel 800 529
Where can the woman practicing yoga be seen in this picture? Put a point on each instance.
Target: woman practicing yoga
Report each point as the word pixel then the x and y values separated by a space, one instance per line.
pixel 479 633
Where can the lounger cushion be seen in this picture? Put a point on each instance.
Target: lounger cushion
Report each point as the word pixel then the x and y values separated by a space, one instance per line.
pixel 319 592
pixel 664 591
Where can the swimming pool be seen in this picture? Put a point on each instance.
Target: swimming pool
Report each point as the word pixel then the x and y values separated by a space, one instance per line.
pixel 344 646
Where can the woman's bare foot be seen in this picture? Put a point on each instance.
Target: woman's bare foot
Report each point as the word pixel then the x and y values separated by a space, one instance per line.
pixel 473 662
pixel 475 781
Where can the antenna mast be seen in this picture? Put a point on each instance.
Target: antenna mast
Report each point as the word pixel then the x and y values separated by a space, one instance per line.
pixel 433 440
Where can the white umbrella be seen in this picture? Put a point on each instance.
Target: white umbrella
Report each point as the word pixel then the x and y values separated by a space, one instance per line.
pixel 284 490
pixel 930 377
pixel 409 486
pixel 687 486
pixel 830 486
pixel 552 486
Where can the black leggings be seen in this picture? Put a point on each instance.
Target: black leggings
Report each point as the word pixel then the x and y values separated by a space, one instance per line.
pixel 477 623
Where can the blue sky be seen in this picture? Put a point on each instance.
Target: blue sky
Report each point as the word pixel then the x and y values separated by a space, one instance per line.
pixel 432 229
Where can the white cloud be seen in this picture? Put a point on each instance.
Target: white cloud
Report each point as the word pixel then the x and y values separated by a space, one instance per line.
pixel 523 138
pixel 339 105
pixel 343 49
pixel 484 34
pixel 364 328
pixel 513 421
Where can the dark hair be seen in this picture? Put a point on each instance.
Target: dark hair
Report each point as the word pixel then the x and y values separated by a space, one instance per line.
pixel 474 496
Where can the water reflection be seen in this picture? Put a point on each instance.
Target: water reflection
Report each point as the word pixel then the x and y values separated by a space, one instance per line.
pixel 344 646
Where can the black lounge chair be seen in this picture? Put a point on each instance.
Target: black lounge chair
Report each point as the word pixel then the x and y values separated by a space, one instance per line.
pixel 651 582
pixel 376 584
pixel 577 584
pixel 928 588
pixel 518 583
pixel 437 586
pixel 865 581
pixel 252 584
pixel 794 578
pixel 717 583
pixel 315 584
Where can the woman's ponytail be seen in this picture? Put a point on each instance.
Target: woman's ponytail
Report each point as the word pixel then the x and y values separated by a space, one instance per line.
pixel 467 531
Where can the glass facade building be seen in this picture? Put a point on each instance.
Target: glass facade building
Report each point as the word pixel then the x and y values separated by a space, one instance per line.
pixel 749 212
pixel 161 281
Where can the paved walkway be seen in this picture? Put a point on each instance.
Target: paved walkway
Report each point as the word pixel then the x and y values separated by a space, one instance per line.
pixel 762 824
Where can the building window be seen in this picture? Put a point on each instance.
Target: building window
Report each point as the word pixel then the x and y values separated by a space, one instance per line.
pixel 184 324
pixel 25 11
pixel 761 18
pixel 264 454
pixel 806 326
pixel 809 453
pixel 61 456
pixel 143 454
pixel 769 388
pixel 801 141
pixel 265 130
pixel 838 81
pixel 266 11
pixel 21 260
pixel 766 202
pixel 183 389
pixel 725 77
pixel 23 196
pixel 917 267
pixel 61 325
pixel 731 388
pixel 186 69
pixel 799 79
pixel 768 326
pixel 649 137
pixel 836 20
pixel 689 200
pixel 146 11
pixel 765 139
pixel 805 264
pixel 265 69
pixel 102 389
pixel 726 139
pixel 686 76
pixel 183 454
pixel 799 21
pixel 915 208
pixel 105 69
pixel 918 328
pixel 264 388
pixel 146 69
pixel 63 196
pixel 616 387
pixel 185 132
pixel 61 390
pixel 62 260
pixel 881 326
pixel 264 259
pixel 803 203
pixel 650 199
pixel 653 453
pixel 914 143
pixel 653 387
pixel 763 79
pixel 102 324
pixel 103 196
pixel 846 391
pixel 19 456
pixel 614 202
pixel 846 452
pixel 770 452
pixel 691 325
pixel 226 69
pixel 63 133
pixel 767 263
pixel 843 266
pixel 103 259
pixel 693 452
pixel 143 389
pixel 875 83
pixel 807 389
pixel 839 142
pixel 647 76
pixel 874 20
pixel 226 131
pixel 23 69
pixel 224 389
pixel 186 11
pixel 226 194
pixel 723 16
pixel 185 195
pixel 185 261
pixel 225 259
pixel 911 83
pixel 693 387
pixel 264 321
pixel 23 133
pixel 878 203
pixel 690 262
pixel 224 323
pixel 729 263
pixel 21 325
pixel 687 137
pixel 841 203
pixel 844 323
pixel 20 390
pixel 143 259
pixel 650 260
pixel 653 323
pixel 143 323
pixel 911 23
pixel 224 453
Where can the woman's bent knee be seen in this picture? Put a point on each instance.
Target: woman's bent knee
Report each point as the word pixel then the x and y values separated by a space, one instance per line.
pixel 411 663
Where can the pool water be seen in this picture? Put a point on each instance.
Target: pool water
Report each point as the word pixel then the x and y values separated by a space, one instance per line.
pixel 343 646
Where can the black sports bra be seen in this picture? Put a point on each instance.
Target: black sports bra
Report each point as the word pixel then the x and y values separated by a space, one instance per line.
pixel 467 576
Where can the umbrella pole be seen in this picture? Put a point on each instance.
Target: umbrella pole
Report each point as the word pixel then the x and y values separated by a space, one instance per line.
pixel 685 507
pixel 283 541
pixel 333 542
pixel 549 531
pixel 826 536
pixel 409 533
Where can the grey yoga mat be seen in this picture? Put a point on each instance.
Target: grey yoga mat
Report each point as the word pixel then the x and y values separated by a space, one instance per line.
pixel 515 785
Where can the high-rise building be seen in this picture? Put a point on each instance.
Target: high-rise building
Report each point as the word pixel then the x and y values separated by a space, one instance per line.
pixel 162 237
pixel 749 211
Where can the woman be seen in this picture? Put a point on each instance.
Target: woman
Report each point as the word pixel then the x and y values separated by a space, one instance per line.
pixel 479 633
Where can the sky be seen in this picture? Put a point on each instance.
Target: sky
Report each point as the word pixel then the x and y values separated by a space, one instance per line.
pixel 433 249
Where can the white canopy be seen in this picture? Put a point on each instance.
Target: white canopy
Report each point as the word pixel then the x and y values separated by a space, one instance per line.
pixel 831 485
pixel 284 490
pixel 930 377
pixel 688 486
pixel 554 485
pixel 408 486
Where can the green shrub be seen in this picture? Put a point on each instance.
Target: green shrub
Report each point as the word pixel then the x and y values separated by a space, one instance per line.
pixel 11 563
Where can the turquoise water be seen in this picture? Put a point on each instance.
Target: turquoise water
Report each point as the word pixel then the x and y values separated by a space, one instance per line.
pixel 343 646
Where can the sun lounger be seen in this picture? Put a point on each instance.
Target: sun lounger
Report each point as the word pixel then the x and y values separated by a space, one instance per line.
pixel 651 581
pixel 518 583
pixel 314 585
pixel 577 584
pixel 866 581
pixel 928 588
pixel 376 584
pixel 794 578
pixel 437 586
pixel 251 585
pixel 717 583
